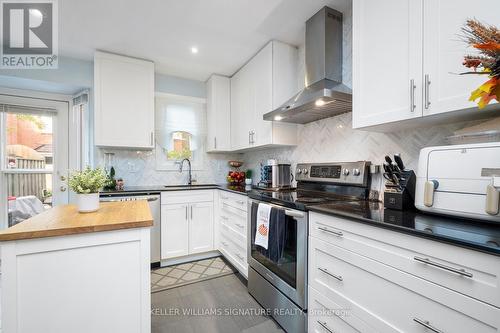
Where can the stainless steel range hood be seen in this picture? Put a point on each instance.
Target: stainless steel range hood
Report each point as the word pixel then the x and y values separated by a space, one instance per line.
pixel 324 96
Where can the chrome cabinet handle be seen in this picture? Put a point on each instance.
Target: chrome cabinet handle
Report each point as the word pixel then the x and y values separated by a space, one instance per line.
pixel 215 142
pixel 152 138
pixel 224 217
pixel 191 212
pixel 249 137
pixel 427 261
pixel 240 225
pixel 324 270
pixel 239 256
pixel 426 91
pixel 224 243
pixel 223 197
pixel 325 326
pixel 427 325
pixel 240 202
pixel 412 95
pixel 186 213
pixel 336 233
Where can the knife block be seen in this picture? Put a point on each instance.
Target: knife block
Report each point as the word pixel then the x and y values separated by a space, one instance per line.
pixel 404 198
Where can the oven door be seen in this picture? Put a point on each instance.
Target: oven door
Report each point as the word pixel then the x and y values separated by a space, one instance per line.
pixel 284 263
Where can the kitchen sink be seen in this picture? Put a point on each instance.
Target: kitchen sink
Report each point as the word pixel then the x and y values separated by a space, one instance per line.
pixel 191 186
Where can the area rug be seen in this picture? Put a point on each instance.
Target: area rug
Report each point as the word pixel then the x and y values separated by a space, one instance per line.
pixel 179 275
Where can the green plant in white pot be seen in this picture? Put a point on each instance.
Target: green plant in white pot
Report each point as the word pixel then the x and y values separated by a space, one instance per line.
pixel 86 184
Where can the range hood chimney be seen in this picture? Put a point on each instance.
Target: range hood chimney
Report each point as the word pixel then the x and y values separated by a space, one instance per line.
pixel 324 96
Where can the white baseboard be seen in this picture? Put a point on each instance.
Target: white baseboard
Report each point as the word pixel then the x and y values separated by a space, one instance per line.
pixel 192 257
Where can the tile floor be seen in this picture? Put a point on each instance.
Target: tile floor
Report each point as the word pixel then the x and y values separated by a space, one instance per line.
pixel 182 274
pixel 194 308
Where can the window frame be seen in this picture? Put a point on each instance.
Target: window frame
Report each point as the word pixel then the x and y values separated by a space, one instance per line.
pixel 198 160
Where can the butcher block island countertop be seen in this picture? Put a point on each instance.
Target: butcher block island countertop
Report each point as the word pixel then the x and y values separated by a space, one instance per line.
pixel 64 271
pixel 66 220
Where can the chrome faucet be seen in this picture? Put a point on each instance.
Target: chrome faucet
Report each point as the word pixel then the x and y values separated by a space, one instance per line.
pixel 190 180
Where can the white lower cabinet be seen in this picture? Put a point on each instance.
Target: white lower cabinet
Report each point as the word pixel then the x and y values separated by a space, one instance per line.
pixel 232 227
pixel 187 223
pixel 188 228
pixel 174 231
pixel 201 227
pixel 370 293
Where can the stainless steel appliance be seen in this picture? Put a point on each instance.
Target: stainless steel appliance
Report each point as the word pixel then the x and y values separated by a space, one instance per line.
pixel 325 95
pixel 460 180
pixel 153 199
pixel 276 176
pixel 282 176
pixel 277 277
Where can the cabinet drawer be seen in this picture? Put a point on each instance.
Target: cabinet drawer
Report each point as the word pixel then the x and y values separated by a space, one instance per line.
pixel 430 260
pixel 235 218
pixel 234 200
pixel 235 254
pixel 175 197
pixel 336 315
pixel 236 238
pixel 395 297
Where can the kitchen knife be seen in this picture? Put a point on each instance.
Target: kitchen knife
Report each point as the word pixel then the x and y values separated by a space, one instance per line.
pixel 399 162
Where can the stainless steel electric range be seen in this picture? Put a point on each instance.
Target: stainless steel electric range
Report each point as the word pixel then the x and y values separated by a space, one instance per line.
pixel 277 276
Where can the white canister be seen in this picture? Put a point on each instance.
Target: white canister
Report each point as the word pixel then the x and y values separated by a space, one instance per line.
pixel 87 203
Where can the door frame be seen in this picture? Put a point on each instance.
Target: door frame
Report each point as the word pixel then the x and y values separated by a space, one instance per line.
pixel 63 105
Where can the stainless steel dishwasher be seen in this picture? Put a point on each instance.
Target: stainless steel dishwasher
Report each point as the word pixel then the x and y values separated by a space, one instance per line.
pixel 153 199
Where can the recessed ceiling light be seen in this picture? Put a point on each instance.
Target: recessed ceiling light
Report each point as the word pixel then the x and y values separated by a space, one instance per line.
pixel 194 50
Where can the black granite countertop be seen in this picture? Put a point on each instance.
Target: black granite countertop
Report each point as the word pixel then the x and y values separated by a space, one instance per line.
pixel 472 234
pixel 152 189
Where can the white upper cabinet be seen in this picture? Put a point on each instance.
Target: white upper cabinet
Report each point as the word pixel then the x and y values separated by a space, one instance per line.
pixel 263 84
pixel 400 42
pixel 124 101
pixel 218 113
pixel 387 61
pixel 444 50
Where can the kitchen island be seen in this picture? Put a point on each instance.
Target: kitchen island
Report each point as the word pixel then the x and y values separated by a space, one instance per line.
pixel 63 271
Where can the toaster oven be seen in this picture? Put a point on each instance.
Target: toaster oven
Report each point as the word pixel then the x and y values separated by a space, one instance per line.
pixel 460 180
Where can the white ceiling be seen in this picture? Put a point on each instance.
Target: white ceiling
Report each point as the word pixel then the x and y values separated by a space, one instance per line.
pixel 226 32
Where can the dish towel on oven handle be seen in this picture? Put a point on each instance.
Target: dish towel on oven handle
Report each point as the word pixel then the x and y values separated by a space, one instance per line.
pixel 262 225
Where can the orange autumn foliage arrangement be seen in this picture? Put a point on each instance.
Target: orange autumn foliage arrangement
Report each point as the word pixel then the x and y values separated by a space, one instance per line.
pixel 486 39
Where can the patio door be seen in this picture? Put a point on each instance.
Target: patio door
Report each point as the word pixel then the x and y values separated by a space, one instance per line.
pixel 34 151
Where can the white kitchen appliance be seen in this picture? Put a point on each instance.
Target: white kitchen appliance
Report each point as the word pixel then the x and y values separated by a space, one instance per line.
pixel 460 180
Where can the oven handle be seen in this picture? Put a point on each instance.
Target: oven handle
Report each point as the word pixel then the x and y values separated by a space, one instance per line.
pixel 288 212
pixel 294 213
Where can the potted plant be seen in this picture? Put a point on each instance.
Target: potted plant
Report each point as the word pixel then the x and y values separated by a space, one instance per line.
pixel 248 177
pixel 86 184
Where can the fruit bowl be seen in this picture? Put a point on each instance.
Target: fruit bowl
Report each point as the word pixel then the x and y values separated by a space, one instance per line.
pixel 235 177
pixel 235 164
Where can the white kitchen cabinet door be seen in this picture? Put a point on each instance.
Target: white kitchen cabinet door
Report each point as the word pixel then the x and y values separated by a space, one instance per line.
pixel 261 68
pixel 444 50
pixel 124 101
pixel 241 115
pixel 387 61
pixel 261 85
pixel 174 230
pixel 218 113
pixel 201 227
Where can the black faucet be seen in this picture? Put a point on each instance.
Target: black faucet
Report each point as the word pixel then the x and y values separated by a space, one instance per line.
pixel 190 181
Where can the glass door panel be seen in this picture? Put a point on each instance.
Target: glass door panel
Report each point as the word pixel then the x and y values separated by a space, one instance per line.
pixel 34 159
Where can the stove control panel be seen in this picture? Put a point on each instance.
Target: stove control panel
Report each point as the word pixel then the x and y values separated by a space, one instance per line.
pixel 352 173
